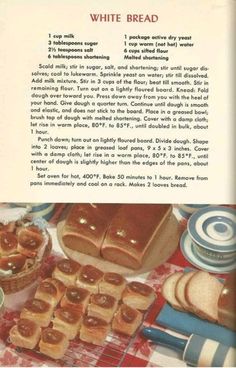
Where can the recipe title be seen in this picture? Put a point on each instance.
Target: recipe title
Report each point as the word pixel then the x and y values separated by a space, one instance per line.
pixel 129 18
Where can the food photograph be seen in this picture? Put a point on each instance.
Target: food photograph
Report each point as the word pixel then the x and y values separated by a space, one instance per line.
pixel 117 285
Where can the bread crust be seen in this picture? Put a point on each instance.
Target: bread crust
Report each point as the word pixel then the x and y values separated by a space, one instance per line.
pixel 126 320
pixel 180 290
pixel 102 306
pixel 30 240
pixel 76 298
pixel 50 290
pixel 94 330
pixel 53 343
pixel 67 321
pixel 25 334
pixel 112 284
pixel 131 231
pixel 86 225
pixel 138 295
pixel 89 277
pixel 168 290
pixel 66 271
pixel 8 243
pixel 38 311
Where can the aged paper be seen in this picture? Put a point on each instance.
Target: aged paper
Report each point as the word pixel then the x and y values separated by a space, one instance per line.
pixel 117 101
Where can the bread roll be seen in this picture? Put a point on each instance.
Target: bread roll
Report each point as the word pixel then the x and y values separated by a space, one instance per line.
pixel 50 290
pixel 89 278
pixel 102 306
pixel 53 343
pixel 138 295
pixel 25 334
pixel 38 311
pixel 30 240
pixel 68 321
pixel 66 271
pixel 126 320
pixel 8 243
pixel 10 227
pixel 131 232
pixel 94 330
pixel 168 290
pixel 86 225
pixel 112 284
pixel 14 263
pixel 76 298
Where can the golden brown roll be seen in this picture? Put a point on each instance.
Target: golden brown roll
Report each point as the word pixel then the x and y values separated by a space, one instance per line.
pixel 8 243
pixel 112 284
pixel 126 320
pixel 66 271
pixel 85 227
pixel 94 330
pixel 14 263
pixel 25 334
pixel 76 298
pixel 131 231
pixel 38 311
pixel 102 306
pixel 89 278
pixel 30 240
pixel 138 295
pixel 50 290
pixel 68 321
pixel 53 343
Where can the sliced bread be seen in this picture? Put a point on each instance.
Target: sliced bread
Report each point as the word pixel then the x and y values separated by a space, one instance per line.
pixel 202 292
pixel 168 290
pixel 180 290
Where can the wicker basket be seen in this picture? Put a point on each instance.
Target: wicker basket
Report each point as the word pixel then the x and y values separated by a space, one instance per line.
pixel 23 279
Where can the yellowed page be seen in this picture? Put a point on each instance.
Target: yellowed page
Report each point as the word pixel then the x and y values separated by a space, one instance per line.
pixel 154 127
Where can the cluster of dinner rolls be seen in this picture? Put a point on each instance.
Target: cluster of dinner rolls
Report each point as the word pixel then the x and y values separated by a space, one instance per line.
pixel 80 302
pixel 20 244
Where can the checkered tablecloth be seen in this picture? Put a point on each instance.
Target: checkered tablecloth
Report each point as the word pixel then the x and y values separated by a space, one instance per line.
pixel 118 350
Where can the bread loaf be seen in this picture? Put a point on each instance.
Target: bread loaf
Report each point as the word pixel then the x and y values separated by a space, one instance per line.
pixel 131 231
pixel 86 225
pixel 227 302
pixel 197 292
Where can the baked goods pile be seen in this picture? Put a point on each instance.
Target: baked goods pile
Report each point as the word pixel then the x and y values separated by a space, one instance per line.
pixel 22 243
pixel 118 233
pixel 80 301
pixel 202 294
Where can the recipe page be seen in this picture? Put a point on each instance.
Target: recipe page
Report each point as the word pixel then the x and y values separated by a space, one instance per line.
pixel 117 101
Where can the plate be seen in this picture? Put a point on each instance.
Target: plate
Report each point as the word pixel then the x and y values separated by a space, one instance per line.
pixel 160 250
pixel 214 228
pixel 186 210
pixel 187 248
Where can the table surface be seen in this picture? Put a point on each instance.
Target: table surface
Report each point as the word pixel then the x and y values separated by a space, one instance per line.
pixel 138 351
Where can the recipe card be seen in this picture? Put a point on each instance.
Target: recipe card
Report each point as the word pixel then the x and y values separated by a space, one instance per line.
pixel 125 101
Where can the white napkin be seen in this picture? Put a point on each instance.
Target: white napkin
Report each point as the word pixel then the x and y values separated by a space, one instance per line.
pixel 12 214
